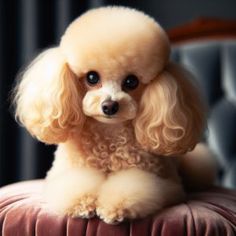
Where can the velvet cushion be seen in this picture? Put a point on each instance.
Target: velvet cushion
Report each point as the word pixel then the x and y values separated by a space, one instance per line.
pixel 23 213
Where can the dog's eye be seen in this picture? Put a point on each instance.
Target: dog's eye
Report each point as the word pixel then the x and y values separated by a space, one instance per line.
pixel 92 78
pixel 131 82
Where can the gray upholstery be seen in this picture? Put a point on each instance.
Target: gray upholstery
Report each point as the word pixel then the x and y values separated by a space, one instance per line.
pixel 214 65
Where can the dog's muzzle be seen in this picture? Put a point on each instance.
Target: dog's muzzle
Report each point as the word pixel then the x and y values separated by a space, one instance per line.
pixel 110 107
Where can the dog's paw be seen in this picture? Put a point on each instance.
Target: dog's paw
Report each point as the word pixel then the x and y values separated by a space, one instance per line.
pixel 84 207
pixel 115 214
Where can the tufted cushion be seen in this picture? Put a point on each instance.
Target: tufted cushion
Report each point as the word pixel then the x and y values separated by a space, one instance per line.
pixel 23 213
pixel 214 65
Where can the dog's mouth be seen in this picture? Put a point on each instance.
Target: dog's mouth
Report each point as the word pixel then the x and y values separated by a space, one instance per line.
pixel 110 119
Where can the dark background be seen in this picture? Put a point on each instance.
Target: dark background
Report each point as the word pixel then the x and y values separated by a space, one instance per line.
pixel 28 26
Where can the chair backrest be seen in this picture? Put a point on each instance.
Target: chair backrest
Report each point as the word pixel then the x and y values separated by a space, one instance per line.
pixel 208 50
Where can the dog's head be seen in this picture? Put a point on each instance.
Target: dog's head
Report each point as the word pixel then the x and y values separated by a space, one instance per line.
pixel 112 66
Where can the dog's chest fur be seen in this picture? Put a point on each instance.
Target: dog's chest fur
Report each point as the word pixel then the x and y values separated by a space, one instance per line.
pixel 112 148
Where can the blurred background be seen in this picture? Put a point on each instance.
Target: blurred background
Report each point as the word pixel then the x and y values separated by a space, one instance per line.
pixel 29 26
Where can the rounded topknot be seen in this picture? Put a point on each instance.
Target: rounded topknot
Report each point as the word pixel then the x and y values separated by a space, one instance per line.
pixel 114 30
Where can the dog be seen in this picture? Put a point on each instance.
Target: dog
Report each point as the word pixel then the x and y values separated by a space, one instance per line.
pixel 123 117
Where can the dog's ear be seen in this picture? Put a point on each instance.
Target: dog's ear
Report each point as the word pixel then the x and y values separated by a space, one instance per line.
pixel 47 98
pixel 171 116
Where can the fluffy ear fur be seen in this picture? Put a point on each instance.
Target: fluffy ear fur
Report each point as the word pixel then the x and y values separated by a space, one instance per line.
pixel 47 99
pixel 171 117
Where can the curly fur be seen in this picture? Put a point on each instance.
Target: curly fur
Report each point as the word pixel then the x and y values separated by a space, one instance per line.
pixel 48 79
pixel 159 120
pixel 174 118
pixel 110 153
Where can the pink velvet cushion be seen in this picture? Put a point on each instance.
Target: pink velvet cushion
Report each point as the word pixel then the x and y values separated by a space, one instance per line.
pixel 22 213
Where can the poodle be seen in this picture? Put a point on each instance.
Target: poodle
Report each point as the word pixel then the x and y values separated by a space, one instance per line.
pixel 121 113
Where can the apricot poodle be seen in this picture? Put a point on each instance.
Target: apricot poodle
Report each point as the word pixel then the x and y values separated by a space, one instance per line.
pixel 121 113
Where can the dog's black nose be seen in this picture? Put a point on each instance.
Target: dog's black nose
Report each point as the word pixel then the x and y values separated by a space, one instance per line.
pixel 110 107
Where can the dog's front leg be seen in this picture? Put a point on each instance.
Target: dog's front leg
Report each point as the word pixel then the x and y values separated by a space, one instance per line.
pixel 74 191
pixel 135 193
